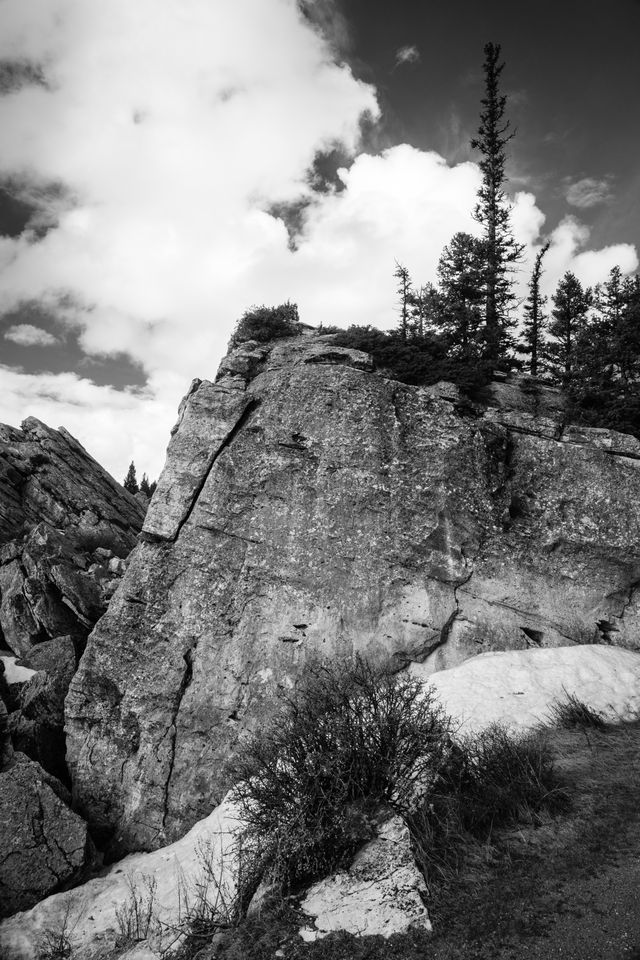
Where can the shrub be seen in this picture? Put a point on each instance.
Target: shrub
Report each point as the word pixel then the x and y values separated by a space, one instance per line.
pixel 266 323
pixel 88 539
pixel 419 360
pixel 56 941
pixel 573 712
pixel 352 744
pixel 348 741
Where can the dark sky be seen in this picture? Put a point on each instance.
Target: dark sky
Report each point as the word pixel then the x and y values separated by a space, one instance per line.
pixel 572 76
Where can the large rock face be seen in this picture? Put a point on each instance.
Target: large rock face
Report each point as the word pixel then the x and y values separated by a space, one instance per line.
pixel 313 507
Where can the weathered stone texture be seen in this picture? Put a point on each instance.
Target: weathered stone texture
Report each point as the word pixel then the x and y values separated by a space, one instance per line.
pixel 312 507
pixel 43 844
pixel 46 475
pixel 382 892
pixel 62 517
pixel 57 505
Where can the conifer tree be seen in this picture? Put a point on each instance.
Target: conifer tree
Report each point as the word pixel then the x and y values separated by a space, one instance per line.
pixel 534 317
pixel 426 310
pixel 493 210
pixel 460 276
pixel 144 486
pixel 627 341
pixel 405 298
pixel 130 481
pixel 571 304
pixel 615 340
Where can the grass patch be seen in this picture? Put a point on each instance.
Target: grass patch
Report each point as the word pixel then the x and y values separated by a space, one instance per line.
pixel 572 712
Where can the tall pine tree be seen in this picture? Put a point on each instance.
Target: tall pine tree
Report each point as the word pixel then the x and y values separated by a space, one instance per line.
pixel 493 211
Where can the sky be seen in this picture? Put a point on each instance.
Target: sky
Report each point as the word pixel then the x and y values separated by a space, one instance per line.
pixel 167 164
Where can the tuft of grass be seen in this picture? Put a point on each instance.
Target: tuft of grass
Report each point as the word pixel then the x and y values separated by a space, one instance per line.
pixel 572 712
pixel 136 917
pixel 56 941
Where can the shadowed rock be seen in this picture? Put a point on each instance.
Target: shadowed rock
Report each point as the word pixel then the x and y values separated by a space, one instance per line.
pixel 43 844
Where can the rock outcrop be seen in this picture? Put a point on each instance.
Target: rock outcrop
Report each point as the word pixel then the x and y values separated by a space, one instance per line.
pixel 43 844
pixel 58 507
pixel 65 526
pixel 311 506
pixel 37 725
pixel 382 892
pixel 46 475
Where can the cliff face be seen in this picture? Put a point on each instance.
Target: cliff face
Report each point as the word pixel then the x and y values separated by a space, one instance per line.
pixel 311 506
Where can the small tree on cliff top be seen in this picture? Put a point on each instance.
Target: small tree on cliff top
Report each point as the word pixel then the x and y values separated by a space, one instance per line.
pixel 131 481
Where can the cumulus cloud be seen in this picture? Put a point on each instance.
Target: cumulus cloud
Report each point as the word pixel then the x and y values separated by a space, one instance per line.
pixel 567 252
pixel 588 192
pixel 170 129
pixel 407 54
pixel 109 423
pixel 26 335
pixel 173 126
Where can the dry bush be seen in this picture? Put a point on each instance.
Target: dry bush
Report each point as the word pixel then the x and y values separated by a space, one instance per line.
pixel 348 741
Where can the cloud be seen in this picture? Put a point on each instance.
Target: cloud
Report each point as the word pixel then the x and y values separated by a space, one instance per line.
pixel 588 192
pixel 170 130
pixel 111 424
pixel 327 17
pixel 407 54
pixel 26 335
pixel 567 252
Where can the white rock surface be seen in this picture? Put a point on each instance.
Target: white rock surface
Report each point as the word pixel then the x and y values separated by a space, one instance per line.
pixel 14 673
pixel 518 687
pixel 92 907
pixel 382 892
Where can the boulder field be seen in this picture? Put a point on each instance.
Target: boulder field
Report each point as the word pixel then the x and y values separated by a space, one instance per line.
pixel 312 506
